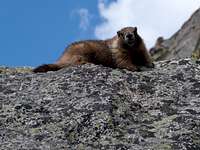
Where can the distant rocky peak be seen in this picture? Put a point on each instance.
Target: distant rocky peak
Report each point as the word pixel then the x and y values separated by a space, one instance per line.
pixel 184 43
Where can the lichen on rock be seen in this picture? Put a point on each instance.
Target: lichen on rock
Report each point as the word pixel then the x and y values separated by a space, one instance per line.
pixel 94 107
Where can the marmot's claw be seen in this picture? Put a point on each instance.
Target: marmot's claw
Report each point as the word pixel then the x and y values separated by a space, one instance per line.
pixel 138 69
pixel 152 65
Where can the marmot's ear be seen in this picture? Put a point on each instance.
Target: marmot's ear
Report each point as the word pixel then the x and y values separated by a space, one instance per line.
pixel 119 33
pixel 135 30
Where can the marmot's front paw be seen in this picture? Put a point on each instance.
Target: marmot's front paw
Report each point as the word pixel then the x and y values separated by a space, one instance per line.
pixel 138 69
pixel 134 68
pixel 151 65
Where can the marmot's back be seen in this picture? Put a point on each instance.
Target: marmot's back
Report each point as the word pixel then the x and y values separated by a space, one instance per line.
pixel 91 51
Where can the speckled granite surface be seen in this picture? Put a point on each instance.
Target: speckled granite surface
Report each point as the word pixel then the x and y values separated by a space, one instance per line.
pixel 92 107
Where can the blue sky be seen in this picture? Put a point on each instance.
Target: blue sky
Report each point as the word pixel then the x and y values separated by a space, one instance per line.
pixel 37 31
pixel 33 32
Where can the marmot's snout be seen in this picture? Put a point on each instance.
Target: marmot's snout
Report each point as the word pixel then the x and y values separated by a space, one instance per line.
pixel 129 36
pixel 130 39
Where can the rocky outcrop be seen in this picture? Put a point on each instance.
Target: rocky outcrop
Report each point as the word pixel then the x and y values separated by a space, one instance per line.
pixel 184 43
pixel 93 107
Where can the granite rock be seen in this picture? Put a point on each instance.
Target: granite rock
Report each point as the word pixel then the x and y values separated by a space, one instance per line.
pixel 93 107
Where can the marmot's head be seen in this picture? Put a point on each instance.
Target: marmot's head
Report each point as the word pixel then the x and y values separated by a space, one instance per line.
pixel 129 36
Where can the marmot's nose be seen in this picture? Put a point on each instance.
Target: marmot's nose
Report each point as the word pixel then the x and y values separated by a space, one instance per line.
pixel 129 36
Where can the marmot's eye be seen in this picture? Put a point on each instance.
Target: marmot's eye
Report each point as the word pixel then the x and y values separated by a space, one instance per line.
pixel 120 34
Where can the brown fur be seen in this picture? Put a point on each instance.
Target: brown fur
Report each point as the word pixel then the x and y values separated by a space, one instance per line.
pixel 115 53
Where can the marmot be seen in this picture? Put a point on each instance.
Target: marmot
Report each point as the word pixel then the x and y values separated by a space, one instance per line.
pixel 126 50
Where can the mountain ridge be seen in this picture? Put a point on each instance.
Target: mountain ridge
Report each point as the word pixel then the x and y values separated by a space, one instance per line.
pixel 184 43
